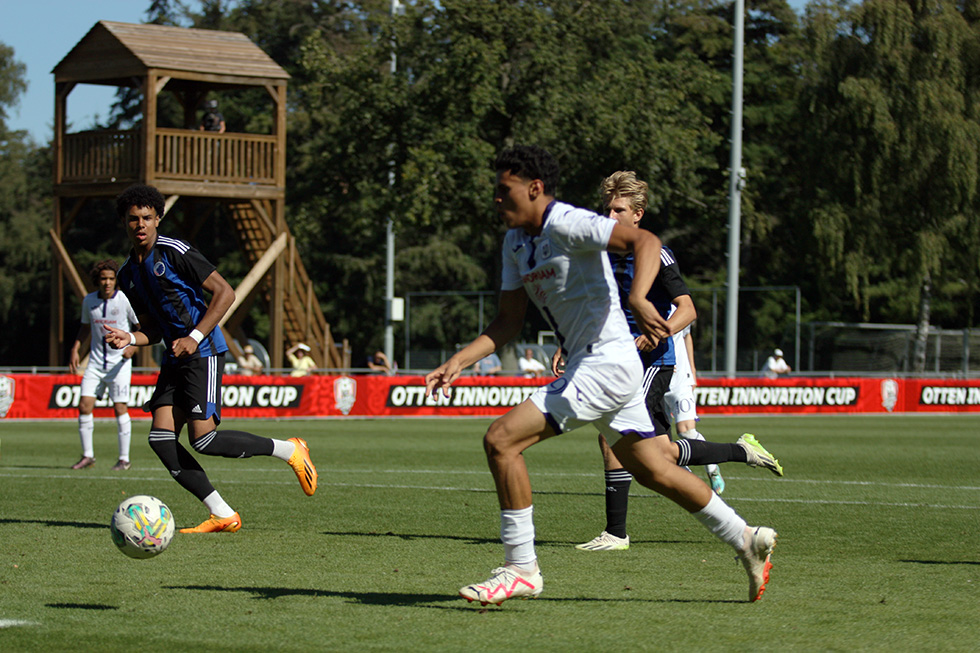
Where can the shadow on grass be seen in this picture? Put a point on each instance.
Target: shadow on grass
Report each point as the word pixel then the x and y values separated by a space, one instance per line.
pixel 54 522
pixel 943 562
pixel 482 540
pixel 81 606
pixel 412 600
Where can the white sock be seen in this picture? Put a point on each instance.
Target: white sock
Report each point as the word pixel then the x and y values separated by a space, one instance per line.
pixel 691 434
pixel 283 449
pixel 722 520
pixel 517 534
pixel 217 505
pixel 86 426
pixel 125 435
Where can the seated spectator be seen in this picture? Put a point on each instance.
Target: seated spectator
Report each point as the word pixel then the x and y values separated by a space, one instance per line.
pixel 248 362
pixel 299 357
pixel 530 366
pixel 378 362
pixel 488 366
pixel 776 365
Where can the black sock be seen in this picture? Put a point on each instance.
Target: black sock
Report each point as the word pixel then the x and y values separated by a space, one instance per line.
pixel 233 444
pixel 617 500
pixel 702 452
pixel 180 463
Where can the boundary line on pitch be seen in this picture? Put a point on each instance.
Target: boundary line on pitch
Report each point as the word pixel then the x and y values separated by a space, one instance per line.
pixel 443 488
pixel 767 478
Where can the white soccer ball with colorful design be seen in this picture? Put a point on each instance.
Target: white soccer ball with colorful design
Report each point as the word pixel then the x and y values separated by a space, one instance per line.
pixel 142 526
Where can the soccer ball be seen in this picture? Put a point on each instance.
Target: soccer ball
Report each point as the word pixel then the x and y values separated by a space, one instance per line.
pixel 142 526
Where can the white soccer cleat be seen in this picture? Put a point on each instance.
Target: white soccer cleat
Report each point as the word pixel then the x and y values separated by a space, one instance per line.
pixel 605 542
pixel 504 583
pixel 759 543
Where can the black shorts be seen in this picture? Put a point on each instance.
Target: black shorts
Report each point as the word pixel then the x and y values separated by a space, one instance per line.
pixel 659 385
pixel 193 385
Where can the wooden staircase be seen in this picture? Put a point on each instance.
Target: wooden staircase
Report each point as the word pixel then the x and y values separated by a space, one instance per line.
pixel 303 319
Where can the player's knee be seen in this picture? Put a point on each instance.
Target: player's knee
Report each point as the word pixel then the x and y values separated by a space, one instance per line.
pixel 498 440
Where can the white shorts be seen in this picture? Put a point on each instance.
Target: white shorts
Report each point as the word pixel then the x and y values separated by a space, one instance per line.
pixel 604 389
pixel 680 403
pixel 116 379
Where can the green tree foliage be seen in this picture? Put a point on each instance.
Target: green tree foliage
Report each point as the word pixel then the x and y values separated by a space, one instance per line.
pixel 892 158
pixel 25 252
pixel 582 79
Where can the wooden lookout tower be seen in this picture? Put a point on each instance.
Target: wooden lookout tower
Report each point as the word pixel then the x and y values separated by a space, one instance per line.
pixel 242 173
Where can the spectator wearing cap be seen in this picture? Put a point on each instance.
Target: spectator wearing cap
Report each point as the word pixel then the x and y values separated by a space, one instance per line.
pixel 299 357
pixel 776 365
pixel 248 362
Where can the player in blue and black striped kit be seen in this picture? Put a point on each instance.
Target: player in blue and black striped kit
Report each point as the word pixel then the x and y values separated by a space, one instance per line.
pixel 625 198
pixel 165 280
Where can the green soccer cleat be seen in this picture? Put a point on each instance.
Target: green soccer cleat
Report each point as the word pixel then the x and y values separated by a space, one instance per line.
pixel 757 454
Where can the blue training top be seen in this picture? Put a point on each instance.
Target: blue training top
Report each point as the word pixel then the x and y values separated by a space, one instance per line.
pixel 668 285
pixel 168 287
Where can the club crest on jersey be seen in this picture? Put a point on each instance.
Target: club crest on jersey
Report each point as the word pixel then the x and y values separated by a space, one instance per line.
pixel 544 249
pixel 159 269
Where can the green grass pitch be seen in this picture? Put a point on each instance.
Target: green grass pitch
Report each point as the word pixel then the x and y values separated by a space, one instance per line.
pixel 879 548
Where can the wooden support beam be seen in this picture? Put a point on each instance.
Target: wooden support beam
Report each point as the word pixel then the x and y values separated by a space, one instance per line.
pixel 255 275
pixel 71 273
pixel 67 220
pixel 169 204
pixel 160 84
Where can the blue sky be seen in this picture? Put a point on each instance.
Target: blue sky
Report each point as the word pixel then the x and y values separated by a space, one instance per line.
pixel 42 32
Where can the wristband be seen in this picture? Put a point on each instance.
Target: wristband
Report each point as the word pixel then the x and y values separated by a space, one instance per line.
pixel 197 336
pixel 132 338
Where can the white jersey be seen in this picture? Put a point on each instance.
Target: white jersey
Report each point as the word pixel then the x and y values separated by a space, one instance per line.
pixel 567 275
pixel 116 312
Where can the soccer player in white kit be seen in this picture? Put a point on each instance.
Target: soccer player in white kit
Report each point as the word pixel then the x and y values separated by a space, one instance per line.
pixel 555 254
pixel 108 369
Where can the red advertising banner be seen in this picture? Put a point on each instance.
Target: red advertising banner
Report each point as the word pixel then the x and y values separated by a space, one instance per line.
pixel 26 396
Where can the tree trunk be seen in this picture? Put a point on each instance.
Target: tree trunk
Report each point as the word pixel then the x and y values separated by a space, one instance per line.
pixel 922 326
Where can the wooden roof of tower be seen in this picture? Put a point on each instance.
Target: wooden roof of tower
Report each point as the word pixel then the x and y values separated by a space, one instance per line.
pixel 242 172
pixel 113 53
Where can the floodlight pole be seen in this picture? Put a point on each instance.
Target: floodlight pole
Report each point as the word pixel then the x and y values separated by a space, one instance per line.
pixel 390 229
pixel 736 183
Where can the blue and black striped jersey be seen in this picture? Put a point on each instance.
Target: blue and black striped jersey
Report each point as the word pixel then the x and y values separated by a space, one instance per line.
pixel 668 285
pixel 168 288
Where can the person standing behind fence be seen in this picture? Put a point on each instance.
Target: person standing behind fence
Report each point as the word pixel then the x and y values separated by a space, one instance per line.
pixel 108 369
pixel 776 365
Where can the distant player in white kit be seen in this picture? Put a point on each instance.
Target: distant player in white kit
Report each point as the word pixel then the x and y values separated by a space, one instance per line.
pixel 108 369
pixel 555 254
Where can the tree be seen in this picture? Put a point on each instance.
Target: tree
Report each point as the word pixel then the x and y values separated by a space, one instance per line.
pixel 582 79
pixel 893 157
pixel 25 253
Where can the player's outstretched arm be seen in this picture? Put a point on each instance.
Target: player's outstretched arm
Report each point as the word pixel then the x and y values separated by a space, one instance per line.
pixel 504 327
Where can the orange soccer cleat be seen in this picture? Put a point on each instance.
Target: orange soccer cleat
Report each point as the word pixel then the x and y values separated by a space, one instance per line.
pixel 303 466
pixel 215 524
